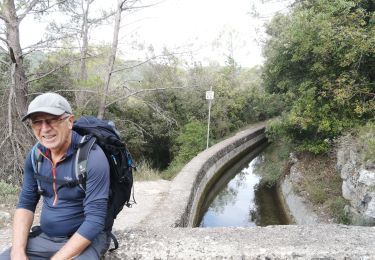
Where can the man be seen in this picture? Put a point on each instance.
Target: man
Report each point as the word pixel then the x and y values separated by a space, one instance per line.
pixel 72 219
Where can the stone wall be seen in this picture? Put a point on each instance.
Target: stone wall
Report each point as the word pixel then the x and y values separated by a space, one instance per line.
pixel 358 182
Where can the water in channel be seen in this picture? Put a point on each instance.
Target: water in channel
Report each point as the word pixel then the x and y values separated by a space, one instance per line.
pixel 239 200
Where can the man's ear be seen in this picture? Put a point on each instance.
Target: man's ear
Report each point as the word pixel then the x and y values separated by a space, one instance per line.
pixel 71 121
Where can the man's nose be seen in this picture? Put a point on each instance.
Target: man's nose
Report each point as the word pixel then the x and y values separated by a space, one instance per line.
pixel 45 126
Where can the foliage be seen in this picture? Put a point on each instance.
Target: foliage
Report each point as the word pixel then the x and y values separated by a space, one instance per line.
pixel 191 141
pixel 336 206
pixel 145 172
pixel 173 169
pixel 8 192
pixel 320 58
pixel 322 184
pixel 366 138
pixel 155 104
pixel 274 163
pixel 56 80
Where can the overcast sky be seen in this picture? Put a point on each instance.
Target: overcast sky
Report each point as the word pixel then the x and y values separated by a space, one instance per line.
pixel 201 26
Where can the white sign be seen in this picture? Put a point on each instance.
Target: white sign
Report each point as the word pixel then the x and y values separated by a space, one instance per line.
pixel 209 95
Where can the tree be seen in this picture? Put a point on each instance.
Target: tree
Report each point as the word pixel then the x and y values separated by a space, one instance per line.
pixel 321 58
pixel 122 5
pixel 12 13
pixel 78 26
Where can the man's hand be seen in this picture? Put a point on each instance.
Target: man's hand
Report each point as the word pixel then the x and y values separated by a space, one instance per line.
pixel 73 248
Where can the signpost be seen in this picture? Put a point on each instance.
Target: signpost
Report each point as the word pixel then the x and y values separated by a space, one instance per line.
pixel 209 97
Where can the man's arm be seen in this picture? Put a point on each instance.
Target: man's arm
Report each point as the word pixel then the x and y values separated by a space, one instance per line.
pixel 22 221
pixel 24 214
pixel 95 207
pixel 72 248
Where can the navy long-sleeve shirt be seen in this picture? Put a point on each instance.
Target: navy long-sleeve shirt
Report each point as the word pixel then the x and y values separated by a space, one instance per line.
pixel 67 210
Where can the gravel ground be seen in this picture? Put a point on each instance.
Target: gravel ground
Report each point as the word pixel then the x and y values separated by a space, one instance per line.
pixel 147 195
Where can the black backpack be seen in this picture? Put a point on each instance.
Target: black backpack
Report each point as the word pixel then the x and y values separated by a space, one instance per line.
pixel 104 134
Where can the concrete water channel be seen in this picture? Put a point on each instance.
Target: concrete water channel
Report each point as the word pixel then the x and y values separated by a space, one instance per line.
pixel 241 199
pixel 169 233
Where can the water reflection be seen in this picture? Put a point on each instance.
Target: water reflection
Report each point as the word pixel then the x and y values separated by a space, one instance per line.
pixel 244 202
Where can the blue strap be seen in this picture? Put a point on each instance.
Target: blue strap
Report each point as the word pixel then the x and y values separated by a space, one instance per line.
pixel 35 153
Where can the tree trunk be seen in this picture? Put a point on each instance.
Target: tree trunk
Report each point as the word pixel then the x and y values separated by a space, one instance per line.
pixel 16 138
pixel 15 52
pixel 80 97
pixel 111 59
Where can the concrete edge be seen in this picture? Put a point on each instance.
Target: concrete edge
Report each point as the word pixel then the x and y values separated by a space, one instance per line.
pixel 330 242
pixel 180 206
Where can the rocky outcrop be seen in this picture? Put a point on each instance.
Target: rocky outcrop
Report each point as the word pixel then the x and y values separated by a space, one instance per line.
pixel 358 182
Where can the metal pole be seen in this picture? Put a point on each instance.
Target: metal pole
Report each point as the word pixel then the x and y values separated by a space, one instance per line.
pixel 208 120
pixel 208 123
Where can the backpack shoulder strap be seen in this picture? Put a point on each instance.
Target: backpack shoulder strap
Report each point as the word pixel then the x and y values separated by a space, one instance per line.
pixel 36 157
pixel 82 155
pixel 36 161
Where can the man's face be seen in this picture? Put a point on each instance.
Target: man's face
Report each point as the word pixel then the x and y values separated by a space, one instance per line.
pixel 53 132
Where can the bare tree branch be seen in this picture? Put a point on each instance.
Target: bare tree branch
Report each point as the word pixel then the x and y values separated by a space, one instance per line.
pixel 132 7
pixel 97 20
pixel 149 59
pixel 3 17
pixel 4 40
pixel 138 126
pixel 32 5
pixel 43 43
pixel 52 71
pixel 140 91
pixel 158 110
pixel 28 9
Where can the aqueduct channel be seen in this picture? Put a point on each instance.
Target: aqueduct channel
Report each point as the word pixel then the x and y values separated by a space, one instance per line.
pixel 168 233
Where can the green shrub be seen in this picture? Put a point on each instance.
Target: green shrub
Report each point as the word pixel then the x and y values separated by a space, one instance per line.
pixel 191 141
pixel 337 208
pixel 366 137
pixel 173 169
pixel 8 192
pixel 145 172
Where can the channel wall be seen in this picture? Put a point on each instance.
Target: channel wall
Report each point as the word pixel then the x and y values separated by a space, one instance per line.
pixel 181 205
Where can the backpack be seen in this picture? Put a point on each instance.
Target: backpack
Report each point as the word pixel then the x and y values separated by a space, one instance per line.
pixel 104 134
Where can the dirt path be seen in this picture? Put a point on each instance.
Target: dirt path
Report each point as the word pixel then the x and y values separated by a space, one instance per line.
pixel 148 195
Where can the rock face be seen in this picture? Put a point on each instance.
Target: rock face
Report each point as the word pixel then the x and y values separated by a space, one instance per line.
pixel 358 182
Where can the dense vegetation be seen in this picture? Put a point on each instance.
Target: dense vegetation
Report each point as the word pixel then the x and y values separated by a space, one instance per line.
pixel 170 124
pixel 157 101
pixel 163 112
pixel 319 71
pixel 321 59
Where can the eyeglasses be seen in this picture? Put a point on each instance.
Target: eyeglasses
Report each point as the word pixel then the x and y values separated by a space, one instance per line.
pixel 53 122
